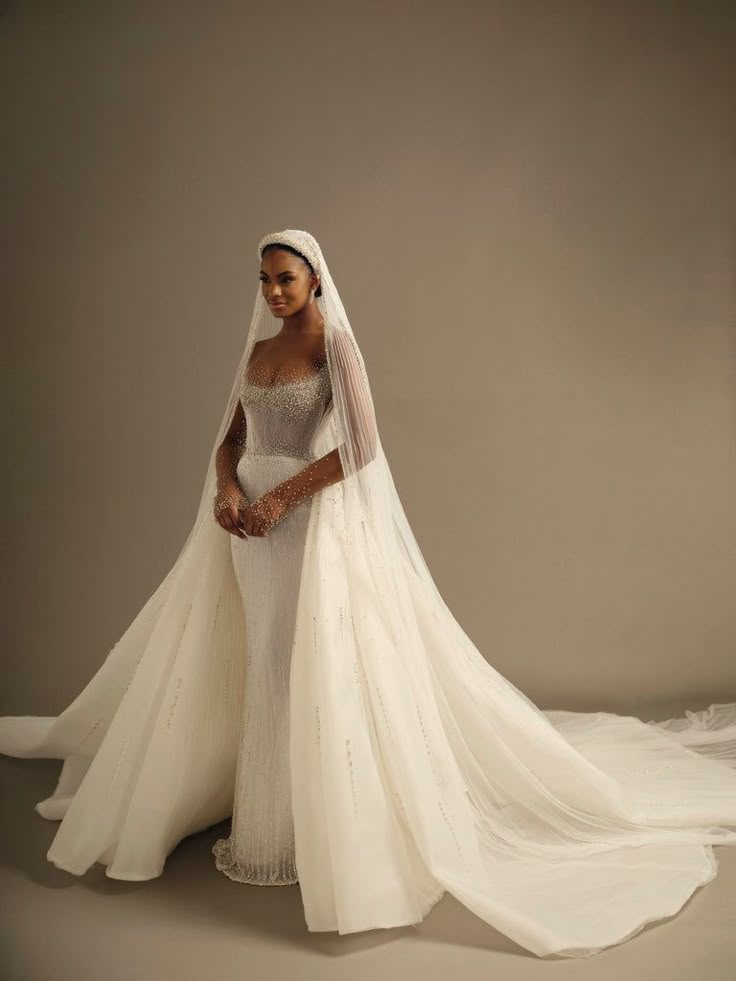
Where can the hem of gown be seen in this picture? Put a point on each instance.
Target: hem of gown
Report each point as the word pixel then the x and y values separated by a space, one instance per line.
pixel 225 863
pixel 415 921
pixel 429 907
pixel 583 953
pixel 108 872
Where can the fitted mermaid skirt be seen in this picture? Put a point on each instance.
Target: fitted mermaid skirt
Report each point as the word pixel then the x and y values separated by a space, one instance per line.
pixel 172 734
pixel 260 847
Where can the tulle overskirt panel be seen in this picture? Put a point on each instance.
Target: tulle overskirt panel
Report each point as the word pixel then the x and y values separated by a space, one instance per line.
pixel 419 769
pixel 415 768
pixel 150 744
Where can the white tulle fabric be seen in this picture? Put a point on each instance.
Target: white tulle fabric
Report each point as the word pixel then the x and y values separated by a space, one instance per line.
pixel 416 768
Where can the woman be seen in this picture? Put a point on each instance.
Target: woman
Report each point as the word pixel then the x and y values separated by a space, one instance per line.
pixel 265 471
pixel 302 673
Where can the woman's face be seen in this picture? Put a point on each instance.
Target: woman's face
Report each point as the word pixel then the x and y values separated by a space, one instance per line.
pixel 285 282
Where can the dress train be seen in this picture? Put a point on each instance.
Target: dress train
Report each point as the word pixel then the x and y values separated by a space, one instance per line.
pixel 415 767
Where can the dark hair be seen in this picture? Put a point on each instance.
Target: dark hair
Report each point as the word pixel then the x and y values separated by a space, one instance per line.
pixel 290 248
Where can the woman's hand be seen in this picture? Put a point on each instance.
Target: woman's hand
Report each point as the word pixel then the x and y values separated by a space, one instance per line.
pixel 263 514
pixel 229 504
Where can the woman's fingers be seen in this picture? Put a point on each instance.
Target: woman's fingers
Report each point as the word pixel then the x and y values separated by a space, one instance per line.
pixel 235 521
pixel 252 524
pixel 226 520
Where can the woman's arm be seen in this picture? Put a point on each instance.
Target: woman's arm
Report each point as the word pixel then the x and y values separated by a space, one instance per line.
pixel 359 447
pixel 229 492
pixel 280 500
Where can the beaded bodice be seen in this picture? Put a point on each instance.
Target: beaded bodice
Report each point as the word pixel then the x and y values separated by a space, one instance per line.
pixel 282 418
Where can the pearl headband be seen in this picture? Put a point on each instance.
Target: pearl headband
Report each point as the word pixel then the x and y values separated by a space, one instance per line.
pixel 300 240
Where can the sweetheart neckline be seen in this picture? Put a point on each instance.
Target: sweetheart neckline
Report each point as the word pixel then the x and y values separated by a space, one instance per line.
pixel 294 381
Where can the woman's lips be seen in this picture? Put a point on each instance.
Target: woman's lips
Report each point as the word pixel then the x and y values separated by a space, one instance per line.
pixel 279 304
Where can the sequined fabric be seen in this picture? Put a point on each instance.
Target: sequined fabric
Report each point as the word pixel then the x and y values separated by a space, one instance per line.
pixel 282 417
pixel 281 420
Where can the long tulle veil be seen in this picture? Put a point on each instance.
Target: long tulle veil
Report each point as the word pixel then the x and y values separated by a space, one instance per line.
pixel 417 769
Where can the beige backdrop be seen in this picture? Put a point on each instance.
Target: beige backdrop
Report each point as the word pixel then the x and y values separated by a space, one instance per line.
pixel 529 211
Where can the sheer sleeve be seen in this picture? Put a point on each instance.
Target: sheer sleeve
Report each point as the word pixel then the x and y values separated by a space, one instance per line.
pixel 353 403
pixel 227 458
pixel 356 426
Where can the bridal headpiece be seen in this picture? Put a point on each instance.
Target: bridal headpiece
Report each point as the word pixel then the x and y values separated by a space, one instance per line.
pixel 300 240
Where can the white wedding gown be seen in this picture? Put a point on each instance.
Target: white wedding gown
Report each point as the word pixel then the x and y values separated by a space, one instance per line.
pixel 263 681
pixel 281 422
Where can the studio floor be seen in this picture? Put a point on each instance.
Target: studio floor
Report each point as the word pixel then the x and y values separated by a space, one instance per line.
pixel 194 924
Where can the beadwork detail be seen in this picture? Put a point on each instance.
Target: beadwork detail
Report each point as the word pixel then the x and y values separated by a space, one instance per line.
pixel 179 682
pixel 123 751
pixel 352 776
pixel 283 874
pixel 280 419
pixel 298 239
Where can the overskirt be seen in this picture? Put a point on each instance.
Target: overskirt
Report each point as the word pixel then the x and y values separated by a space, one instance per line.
pixel 416 768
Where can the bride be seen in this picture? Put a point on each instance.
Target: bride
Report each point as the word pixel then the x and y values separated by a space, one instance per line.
pixel 298 670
